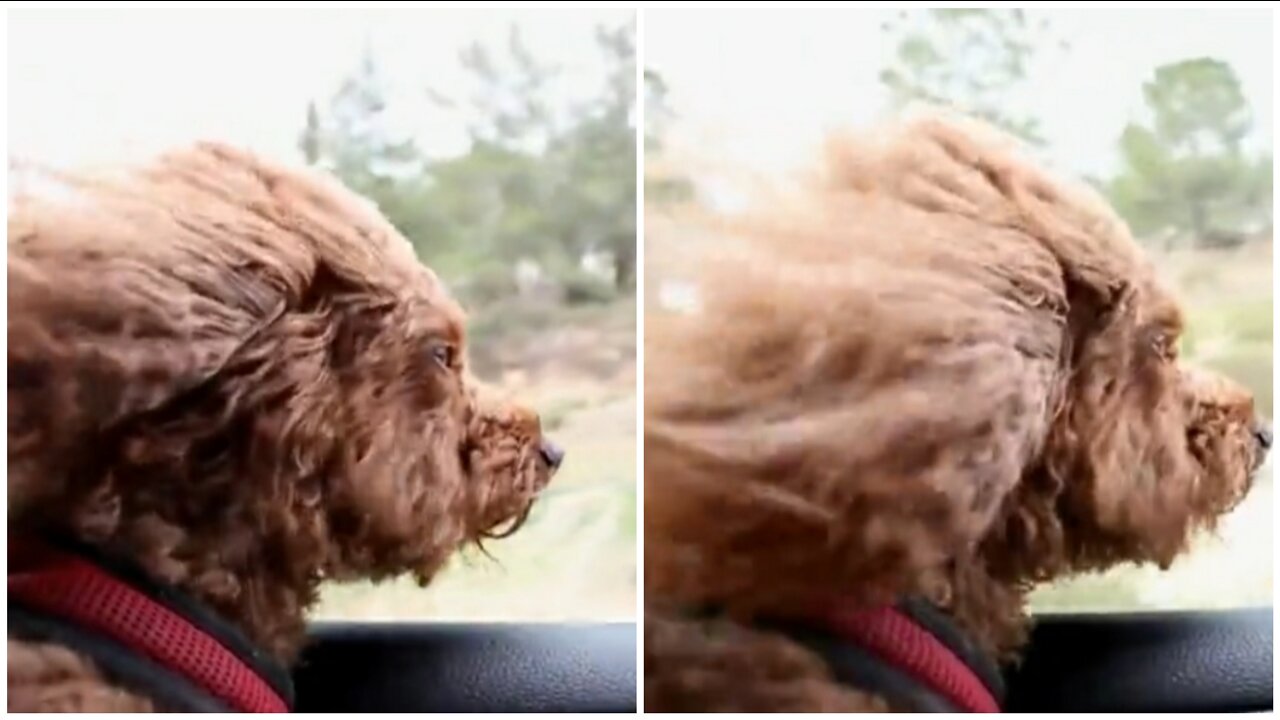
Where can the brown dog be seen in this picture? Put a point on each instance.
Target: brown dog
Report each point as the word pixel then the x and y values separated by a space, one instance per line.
pixel 941 375
pixel 240 379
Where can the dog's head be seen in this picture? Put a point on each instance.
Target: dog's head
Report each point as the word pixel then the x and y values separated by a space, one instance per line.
pixel 939 359
pixel 1142 448
pixel 219 363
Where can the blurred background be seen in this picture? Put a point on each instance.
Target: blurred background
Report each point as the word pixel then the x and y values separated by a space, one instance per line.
pixel 501 143
pixel 1168 113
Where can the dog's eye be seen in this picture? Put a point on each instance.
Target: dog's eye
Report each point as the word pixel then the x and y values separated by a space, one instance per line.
pixel 442 354
pixel 1164 347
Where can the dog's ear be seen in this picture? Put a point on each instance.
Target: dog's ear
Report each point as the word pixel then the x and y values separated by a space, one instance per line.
pixel 124 295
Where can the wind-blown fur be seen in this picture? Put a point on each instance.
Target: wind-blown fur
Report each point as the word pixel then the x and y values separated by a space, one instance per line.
pixel 942 372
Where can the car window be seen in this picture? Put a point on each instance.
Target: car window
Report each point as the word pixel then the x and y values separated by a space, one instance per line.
pixel 501 144
pixel 1175 134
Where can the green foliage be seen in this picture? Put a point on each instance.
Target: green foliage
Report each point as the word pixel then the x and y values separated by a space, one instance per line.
pixel 539 185
pixel 509 105
pixel 972 60
pixel 599 157
pixel 1186 173
pixel 584 288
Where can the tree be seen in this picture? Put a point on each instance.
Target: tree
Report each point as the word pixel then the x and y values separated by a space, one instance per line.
pixel 507 104
pixel 561 181
pixel 353 138
pixel 551 184
pixel 599 153
pixel 659 188
pixel 971 60
pixel 1187 171
pixel 309 142
pixel 657 114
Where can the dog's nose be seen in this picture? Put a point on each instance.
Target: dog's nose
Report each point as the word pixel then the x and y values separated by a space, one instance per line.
pixel 551 453
pixel 1262 433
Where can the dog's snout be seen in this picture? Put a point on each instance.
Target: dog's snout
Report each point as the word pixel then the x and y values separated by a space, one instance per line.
pixel 1262 433
pixel 551 453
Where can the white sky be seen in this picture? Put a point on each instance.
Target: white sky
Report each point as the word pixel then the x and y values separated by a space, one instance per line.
pixel 99 86
pixel 765 85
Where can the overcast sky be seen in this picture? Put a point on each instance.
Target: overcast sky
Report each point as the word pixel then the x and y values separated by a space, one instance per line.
pixel 766 84
pixel 97 86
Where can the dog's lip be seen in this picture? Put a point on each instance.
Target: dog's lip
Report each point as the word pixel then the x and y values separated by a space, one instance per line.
pixel 512 524
pixel 1259 459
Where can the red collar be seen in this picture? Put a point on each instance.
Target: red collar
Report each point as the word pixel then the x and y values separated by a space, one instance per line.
pixel 912 654
pixel 70 594
pixel 921 643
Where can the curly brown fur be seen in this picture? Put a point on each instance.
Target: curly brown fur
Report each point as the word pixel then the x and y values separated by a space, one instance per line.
pixel 240 377
pixel 942 372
